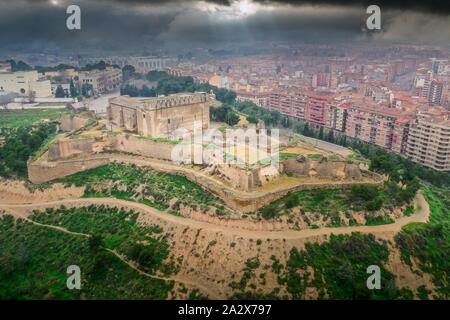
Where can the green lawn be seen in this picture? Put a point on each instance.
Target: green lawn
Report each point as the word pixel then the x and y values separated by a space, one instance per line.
pixel 26 117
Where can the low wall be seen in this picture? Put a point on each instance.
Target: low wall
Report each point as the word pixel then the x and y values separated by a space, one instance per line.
pixel 46 171
pixel 67 148
pixel 141 146
pixel 70 122
pixel 322 168
pixel 238 200
pixel 238 177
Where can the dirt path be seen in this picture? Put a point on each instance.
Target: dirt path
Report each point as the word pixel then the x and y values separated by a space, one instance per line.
pixel 211 294
pixel 421 216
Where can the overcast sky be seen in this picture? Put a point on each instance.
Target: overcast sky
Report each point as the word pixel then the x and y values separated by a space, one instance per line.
pixel 118 24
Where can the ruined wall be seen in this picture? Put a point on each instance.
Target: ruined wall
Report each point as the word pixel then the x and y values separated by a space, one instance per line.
pixel 305 167
pixel 129 119
pixel 40 172
pixel 140 146
pixel 68 148
pixel 71 122
pixel 268 173
pixel 238 177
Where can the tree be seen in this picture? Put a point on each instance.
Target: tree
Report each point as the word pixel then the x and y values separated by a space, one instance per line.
pixel 128 72
pixel 285 122
pixel 95 243
pixel 129 90
pixel 73 89
pixel 321 133
pixel 252 119
pixel 101 65
pixel 31 95
pixel 231 118
pixel 87 90
pixel 60 93
pixel 155 75
pixel 147 92
pixel 330 136
pixel 19 66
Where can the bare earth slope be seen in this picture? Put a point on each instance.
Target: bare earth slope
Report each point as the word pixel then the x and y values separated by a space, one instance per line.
pixel 210 256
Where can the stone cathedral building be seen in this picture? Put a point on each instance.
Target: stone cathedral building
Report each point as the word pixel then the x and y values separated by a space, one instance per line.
pixel 158 117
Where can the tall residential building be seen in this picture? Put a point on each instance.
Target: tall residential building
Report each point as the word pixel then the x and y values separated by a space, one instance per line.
pixel 429 141
pixel 385 127
pixel 317 108
pixel 435 92
pixel 288 104
pixel 439 66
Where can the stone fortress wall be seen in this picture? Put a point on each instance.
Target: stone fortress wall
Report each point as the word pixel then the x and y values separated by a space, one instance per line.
pixel 70 122
pixel 322 167
pixel 239 177
pixel 238 185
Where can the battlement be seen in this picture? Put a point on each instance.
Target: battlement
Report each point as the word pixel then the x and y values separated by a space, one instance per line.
pixel 175 100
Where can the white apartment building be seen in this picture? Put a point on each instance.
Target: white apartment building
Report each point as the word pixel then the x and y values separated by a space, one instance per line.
pixel 25 83
pixel 102 81
pixel 429 141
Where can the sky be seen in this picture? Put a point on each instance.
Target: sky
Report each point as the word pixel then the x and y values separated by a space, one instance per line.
pixel 133 24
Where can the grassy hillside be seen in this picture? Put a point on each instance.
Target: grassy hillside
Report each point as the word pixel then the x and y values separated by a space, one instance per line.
pixel 27 117
pixel 34 259
pixel 134 183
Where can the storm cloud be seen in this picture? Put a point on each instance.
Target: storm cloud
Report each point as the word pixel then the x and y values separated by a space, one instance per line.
pixel 119 25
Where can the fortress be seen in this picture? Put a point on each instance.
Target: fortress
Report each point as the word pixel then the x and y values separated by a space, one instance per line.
pixel 138 131
pixel 159 117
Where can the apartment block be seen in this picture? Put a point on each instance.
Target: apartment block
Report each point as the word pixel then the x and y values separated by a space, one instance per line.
pixel 435 93
pixel 385 127
pixel 429 141
pixel 288 104
pixel 102 81
pixel 317 109
pixel 25 83
pixel 258 98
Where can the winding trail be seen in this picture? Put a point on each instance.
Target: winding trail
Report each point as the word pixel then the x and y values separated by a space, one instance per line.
pixel 422 215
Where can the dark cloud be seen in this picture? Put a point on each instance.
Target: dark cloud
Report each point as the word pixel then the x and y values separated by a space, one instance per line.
pixel 430 6
pixel 119 25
